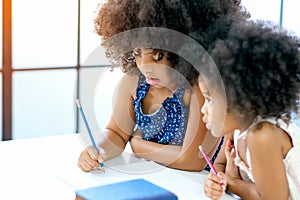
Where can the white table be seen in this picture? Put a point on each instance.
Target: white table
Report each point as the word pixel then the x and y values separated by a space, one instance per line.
pixel 46 168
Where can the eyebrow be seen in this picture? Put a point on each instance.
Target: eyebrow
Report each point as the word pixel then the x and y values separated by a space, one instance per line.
pixel 206 93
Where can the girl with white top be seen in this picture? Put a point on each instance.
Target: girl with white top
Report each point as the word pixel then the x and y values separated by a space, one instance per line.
pixel 259 65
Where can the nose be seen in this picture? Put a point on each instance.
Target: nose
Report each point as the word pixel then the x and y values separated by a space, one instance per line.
pixel 204 109
pixel 145 62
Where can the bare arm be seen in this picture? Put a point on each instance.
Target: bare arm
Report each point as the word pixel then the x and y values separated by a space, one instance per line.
pixel 122 121
pixel 266 150
pixel 118 130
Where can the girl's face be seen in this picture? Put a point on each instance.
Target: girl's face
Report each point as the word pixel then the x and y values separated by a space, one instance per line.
pixel 214 111
pixel 154 65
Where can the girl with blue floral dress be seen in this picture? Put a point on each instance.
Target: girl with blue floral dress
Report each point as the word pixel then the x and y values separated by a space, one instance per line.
pixel 157 101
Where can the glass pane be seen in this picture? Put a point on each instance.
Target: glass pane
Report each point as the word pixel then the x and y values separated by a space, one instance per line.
pixel 88 82
pixel 1 36
pixel 296 118
pixel 43 103
pixel 96 91
pixel 91 53
pixel 44 33
pixel 1 107
pixel 265 10
pixel 104 91
pixel 1 73
pixel 291 15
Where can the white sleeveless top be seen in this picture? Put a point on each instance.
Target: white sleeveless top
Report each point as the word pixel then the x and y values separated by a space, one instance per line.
pixel 291 161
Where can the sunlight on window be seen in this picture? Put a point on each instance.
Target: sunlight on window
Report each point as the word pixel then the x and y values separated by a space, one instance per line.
pixel 1 110
pixel 263 9
pixel 1 73
pixel 89 39
pixel 103 106
pixel 43 103
pixel 1 36
pixel 291 15
pixel 44 33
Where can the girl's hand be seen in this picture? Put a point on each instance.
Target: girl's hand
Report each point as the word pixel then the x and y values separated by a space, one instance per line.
pixel 228 148
pixel 90 159
pixel 215 185
pixel 231 169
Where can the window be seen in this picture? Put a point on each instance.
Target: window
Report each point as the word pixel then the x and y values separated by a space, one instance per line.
pixel 48 52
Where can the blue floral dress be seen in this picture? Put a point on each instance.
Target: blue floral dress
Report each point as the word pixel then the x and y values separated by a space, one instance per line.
pixel 168 124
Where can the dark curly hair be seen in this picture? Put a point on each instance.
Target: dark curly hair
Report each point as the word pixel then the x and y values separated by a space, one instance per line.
pixel 184 16
pixel 259 63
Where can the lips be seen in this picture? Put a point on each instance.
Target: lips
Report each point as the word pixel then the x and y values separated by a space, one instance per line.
pixel 152 81
pixel 206 124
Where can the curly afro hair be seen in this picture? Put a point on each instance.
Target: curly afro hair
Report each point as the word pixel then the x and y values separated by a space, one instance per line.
pixel 184 16
pixel 259 63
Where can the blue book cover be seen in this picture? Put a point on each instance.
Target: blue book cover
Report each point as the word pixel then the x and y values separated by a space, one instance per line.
pixel 137 189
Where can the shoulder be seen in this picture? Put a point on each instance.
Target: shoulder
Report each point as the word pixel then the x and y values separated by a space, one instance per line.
pixel 128 83
pixel 130 78
pixel 263 133
pixel 266 136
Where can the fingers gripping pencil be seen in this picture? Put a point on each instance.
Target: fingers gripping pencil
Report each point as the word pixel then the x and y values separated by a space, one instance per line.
pixel 210 164
pixel 101 167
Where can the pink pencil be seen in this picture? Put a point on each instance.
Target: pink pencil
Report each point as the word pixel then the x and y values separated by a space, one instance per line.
pixel 211 165
pixel 208 160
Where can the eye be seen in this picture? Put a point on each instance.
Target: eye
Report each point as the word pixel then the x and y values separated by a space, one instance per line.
pixel 208 100
pixel 137 52
pixel 157 56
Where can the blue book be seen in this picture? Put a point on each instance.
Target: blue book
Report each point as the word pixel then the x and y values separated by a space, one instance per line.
pixel 137 189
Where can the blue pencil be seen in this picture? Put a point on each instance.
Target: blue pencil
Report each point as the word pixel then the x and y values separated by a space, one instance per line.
pixel 89 130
